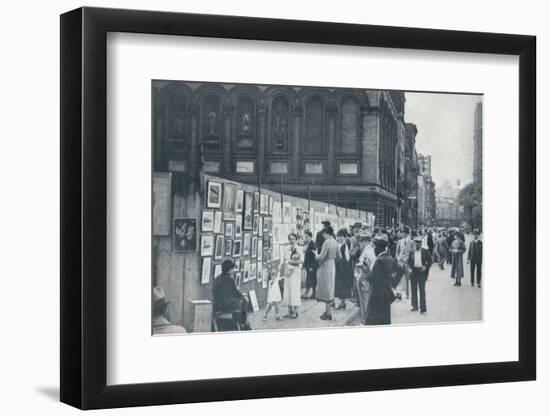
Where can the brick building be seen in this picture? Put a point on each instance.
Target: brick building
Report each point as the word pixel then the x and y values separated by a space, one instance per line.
pixel 344 146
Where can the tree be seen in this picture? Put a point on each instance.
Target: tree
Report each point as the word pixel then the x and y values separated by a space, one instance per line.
pixel 470 197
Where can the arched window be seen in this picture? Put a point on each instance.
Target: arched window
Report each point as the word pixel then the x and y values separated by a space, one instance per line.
pixel 314 141
pixel 245 124
pixel 175 116
pixel 280 125
pixel 211 123
pixel 350 127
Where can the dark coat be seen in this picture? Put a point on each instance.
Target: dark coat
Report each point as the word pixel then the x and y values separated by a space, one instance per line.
pixel 344 275
pixel 430 242
pixel 475 252
pixel 319 240
pixel 227 298
pixel 310 265
pixel 382 278
pixel 426 261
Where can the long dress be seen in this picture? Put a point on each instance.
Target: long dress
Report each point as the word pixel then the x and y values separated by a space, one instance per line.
pixel 381 279
pixel 326 270
pixel 441 249
pixel 344 273
pixel 457 250
pixel 292 283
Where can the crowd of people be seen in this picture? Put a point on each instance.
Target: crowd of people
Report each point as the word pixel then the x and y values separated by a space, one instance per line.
pixel 355 265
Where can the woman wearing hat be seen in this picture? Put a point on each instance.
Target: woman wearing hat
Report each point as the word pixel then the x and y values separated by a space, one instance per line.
pixel 457 251
pixel 344 270
pixel 326 271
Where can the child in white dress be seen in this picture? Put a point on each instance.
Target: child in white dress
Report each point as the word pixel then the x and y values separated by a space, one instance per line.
pixel 274 293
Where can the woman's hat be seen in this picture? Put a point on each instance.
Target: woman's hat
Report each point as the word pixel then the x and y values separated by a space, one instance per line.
pixel 381 237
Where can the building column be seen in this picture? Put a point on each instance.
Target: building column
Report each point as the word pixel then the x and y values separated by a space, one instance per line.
pixel 227 139
pixel 296 115
pixel 261 166
pixel 331 137
pixel 370 154
pixel 195 149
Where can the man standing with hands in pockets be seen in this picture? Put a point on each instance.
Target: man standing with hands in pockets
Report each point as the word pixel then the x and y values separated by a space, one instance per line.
pixel 419 262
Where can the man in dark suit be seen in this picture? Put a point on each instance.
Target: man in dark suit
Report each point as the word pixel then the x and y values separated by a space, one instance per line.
pixel 475 256
pixel 420 261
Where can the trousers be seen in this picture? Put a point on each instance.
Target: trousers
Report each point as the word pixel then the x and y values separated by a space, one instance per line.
pixel 418 288
pixel 475 269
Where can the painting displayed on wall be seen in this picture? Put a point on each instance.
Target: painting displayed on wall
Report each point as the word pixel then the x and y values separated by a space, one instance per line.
pixel 229 227
pixel 228 247
pixel 214 195
pixel 238 229
pixel 248 211
pixel 218 252
pixel 185 234
pixel 229 201
pixel 239 201
pixel 207 224
pixel 206 270
pixel 236 248
pixel 207 245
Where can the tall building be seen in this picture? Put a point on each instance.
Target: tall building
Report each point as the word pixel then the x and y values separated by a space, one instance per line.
pixel 410 209
pixel 334 145
pixel 426 191
pixel 478 145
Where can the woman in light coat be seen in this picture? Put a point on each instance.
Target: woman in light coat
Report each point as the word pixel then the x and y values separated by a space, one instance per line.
pixel 326 271
pixel 457 251
pixel 293 279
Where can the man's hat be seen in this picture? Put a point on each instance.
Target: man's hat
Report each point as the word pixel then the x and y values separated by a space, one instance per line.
pixel 159 298
pixel 381 237
pixel 227 265
pixel 476 231
pixel 358 224
pixel 326 222
pixel 418 239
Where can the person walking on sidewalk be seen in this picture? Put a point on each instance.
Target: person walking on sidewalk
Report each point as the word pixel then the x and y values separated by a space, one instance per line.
pixel 344 270
pixel 309 265
pixel 326 271
pixel 442 250
pixel 419 262
pixel 381 278
pixel 404 247
pixel 475 256
pixel 457 250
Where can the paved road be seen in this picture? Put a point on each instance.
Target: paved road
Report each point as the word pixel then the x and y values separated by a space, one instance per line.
pixel 445 303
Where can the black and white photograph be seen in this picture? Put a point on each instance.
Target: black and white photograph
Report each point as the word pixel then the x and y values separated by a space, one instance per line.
pixel 368 210
pixel 185 235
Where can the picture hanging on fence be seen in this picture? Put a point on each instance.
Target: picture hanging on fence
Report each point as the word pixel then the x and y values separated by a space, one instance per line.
pixel 207 245
pixel 206 269
pixel 185 235
pixel 214 195
pixel 207 224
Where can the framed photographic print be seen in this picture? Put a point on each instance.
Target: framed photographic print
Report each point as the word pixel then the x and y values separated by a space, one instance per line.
pixel 271 204
pixel 207 245
pixel 253 270
pixel 206 270
pixel 238 229
pixel 228 247
pixel 254 248
pixel 185 234
pixel 418 146
pixel 260 225
pixel 259 272
pixel 236 248
pixel 229 228
pixel 214 195
pixel 246 244
pixel 218 252
pixel 239 201
pixel 256 223
pixel 238 279
pixel 237 263
pixel 218 222
pixel 207 224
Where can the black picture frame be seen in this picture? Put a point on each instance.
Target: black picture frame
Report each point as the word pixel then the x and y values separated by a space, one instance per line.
pixel 84 207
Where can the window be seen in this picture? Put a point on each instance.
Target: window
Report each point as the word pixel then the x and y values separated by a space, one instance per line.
pixel 348 168
pixel 313 168
pixel 211 123
pixel 175 116
pixel 314 141
pixel 245 124
pixel 278 167
pixel 280 125
pixel 211 166
pixel 350 127
pixel 244 167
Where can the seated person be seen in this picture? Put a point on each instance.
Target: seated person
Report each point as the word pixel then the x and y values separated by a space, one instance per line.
pixel 161 324
pixel 227 298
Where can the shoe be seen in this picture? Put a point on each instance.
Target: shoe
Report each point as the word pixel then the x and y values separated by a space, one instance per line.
pixel 422 312
pixel 341 307
pixel 472 284
pixel 325 316
pixel 264 318
pixel 278 318
pixel 455 284
pixel 478 285
pixel 414 309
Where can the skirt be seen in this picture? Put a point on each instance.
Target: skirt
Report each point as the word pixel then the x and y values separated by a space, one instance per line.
pixel 291 293
pixel 274 293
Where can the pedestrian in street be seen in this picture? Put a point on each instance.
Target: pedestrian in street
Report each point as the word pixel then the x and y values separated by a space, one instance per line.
pixel 475 256
pixel 274 292
pixel 309 265
pixel 457 251
pixel 382 278
pixel 344 270
pixel 228 299
pixel 293 280
pixel 442 250
pixel 161 324
pixel 326 271
pixel 430 242
pixel 404 248
pixel 419 262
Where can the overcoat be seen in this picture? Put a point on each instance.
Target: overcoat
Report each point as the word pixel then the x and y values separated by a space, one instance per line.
pixel 326 270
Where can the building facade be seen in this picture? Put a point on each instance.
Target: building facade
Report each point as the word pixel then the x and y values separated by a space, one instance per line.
pixel 410 209
pixel 478 145
pixel 426 194
pixel 342 146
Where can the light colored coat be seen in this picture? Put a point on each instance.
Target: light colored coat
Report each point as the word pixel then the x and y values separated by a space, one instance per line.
pixel 326 271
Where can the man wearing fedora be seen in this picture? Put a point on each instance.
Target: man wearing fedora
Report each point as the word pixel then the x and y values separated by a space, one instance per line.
pixel 475 255
pixel 419 263
pixel 227 298
pixel 161 324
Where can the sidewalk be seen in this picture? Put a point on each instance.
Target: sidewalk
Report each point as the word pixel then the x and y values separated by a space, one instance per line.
pixel 308 317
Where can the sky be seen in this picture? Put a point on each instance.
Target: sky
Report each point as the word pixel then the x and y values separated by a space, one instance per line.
pixel 445 124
